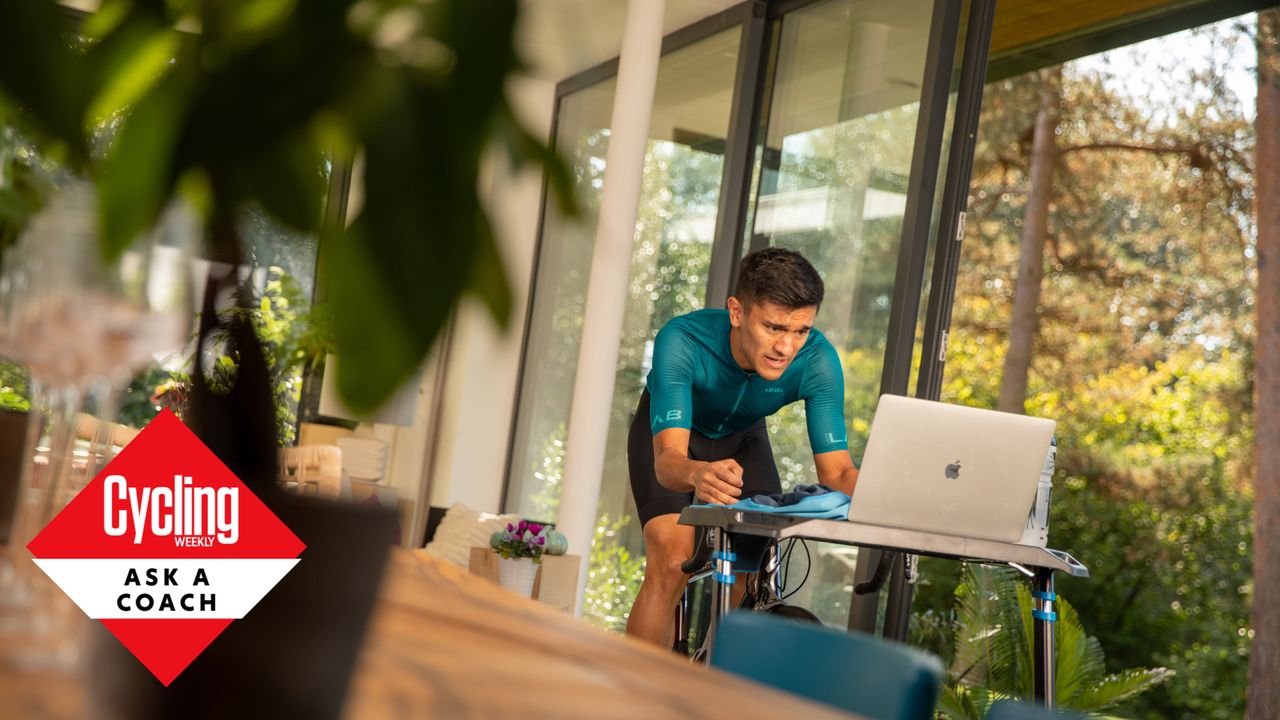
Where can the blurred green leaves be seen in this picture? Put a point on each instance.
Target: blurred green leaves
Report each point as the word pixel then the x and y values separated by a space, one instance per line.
pixel 136 178
pixel 40 73
pixel 243 100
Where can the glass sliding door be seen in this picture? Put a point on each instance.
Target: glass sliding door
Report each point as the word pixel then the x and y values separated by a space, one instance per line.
pixel 671 257
pixel 555 316
pixel 835 168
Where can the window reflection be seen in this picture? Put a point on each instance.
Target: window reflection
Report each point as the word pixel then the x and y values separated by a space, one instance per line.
pixel 832 184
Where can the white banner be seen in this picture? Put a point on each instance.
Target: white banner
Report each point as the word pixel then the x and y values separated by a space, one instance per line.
pixel 172 589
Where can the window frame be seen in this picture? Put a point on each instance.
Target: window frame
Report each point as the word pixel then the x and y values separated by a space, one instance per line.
pixel 760 22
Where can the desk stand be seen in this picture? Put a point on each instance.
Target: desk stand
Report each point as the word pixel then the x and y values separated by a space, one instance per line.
pixel 1038 563
pixel 1043 617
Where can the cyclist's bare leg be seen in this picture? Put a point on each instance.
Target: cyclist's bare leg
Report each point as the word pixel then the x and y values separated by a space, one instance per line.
pixel 667 544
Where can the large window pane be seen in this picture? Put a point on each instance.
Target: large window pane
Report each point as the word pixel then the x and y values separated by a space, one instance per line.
pixel 833 185
pixel 555 331
pixel 671 256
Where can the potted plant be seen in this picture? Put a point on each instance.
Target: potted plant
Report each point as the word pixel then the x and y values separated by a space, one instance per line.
pixel 14 410
pixel 519 549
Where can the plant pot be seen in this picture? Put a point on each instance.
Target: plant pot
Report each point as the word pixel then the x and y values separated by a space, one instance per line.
pixel 13 441
pixel 517 575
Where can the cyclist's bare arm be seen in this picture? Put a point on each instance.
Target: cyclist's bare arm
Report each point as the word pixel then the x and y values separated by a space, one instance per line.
pixel 836 470
pixel 716 482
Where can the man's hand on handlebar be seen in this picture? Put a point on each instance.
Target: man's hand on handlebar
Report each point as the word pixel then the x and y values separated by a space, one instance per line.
pixel 718 482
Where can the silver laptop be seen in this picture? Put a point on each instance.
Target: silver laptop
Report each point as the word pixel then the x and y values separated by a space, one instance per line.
pixel 950 469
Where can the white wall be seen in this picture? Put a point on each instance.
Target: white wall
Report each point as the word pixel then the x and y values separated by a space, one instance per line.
pixel 408 447
pixel 482 361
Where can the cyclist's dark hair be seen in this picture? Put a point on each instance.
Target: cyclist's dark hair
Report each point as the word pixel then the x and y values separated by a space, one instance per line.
pixel 781 276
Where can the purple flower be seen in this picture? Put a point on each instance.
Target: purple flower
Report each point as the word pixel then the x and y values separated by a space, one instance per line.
pixel 542 540
pixel 511 528
pixel 535 528
pixel 523 525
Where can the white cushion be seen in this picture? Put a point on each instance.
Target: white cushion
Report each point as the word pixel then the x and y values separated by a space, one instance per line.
pixel 461 529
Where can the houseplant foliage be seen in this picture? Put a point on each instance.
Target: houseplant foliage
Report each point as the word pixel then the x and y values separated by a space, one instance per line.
pixel 520 540
pixel 994 651
pixel 295 338
pixel 232 102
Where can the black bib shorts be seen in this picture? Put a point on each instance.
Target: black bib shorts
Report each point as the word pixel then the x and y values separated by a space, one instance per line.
pixel 750 448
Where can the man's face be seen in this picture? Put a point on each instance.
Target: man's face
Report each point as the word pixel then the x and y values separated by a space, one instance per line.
pixel 766 336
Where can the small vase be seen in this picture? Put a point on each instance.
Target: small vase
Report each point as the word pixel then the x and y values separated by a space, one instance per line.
pixel 517 575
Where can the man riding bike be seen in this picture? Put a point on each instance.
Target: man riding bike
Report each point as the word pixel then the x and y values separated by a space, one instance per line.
pixel 699 429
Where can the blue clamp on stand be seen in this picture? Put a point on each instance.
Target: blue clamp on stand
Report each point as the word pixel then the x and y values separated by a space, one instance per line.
pixel 1042 615
pixel 723 557
pixel 1050 596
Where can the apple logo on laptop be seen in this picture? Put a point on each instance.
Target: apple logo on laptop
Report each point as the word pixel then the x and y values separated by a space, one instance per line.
pixel 953 470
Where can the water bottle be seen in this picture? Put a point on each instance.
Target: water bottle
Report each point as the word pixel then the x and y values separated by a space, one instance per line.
pixel 1037 530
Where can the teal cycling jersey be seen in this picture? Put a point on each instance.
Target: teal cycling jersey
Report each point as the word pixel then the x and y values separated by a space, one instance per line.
pixel 696 384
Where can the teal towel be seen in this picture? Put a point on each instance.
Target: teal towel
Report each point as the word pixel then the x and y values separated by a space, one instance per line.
pixel 828 506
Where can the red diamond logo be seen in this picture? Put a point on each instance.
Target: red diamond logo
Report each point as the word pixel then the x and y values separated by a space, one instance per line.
pixel 166 547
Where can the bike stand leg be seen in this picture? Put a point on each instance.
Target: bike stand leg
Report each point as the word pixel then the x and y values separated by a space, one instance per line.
pixel 682 623
pixel 1043 619
pixel 722 599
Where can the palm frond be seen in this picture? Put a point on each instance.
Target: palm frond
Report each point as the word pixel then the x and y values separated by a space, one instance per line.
pixel 956 703
pixel 984 649
pixel 1078 658
pixel 995 652
pixel 1024 680
pixel 1112 689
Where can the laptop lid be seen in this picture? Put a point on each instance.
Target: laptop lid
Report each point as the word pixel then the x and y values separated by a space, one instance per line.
pixel 950 469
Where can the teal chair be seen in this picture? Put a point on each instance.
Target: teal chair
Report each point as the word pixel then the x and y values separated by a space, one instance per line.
pixel 851 671
pixel 1014 710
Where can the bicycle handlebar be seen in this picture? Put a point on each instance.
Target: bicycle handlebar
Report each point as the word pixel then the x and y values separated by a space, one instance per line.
pixel 882 573
pixel 701 554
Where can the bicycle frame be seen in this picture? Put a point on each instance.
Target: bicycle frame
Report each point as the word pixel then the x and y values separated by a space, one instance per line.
pixel 763 591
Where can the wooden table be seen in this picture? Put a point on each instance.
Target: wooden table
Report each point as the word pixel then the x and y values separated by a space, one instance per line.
pixel 446 644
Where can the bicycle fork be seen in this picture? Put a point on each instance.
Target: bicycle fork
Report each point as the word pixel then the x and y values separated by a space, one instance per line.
pixel 768 584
